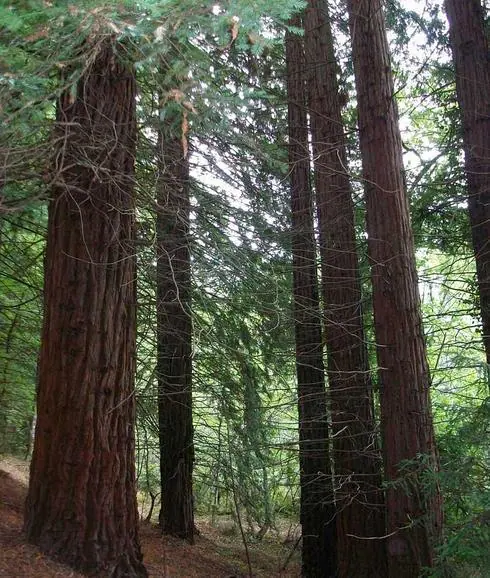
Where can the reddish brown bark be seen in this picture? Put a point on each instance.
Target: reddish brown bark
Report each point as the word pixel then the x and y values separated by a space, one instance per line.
pixel 81 506
pixel 414 517
pixel 174 327
pixel 357 461
pixel 469 45
pixel 317 511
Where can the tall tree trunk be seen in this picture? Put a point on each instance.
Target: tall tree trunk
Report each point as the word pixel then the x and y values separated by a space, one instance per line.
pixel 357 461
pixel 317 510
pixel 174 325
pixel 469 45
pixel 414 516
pixel 81 506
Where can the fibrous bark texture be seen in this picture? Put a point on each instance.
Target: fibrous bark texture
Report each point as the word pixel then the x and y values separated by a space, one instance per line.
pixel 174 326
pixel 469 45
pixel 81 506
pixel 414 516
pixel 317 511
pixel 356 457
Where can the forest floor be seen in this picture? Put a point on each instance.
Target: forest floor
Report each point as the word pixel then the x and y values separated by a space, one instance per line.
pixel 217 553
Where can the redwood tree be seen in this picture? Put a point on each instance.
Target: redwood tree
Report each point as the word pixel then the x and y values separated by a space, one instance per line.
pixel 414 516
pixel 81 506
pixel 357 460
pixel 174 323
pixel 469 45
pixel 316 510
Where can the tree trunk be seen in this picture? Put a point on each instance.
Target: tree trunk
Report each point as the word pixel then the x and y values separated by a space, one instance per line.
pixel 357 461
pixel 81 507
pixel 317 510
pixel 469 45
pixel 174 326
pixel 414 517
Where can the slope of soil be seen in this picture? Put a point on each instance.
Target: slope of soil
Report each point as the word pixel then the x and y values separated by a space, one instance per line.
pixel 215 555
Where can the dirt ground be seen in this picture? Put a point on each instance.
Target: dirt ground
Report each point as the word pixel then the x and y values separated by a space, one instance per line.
pixel 216 554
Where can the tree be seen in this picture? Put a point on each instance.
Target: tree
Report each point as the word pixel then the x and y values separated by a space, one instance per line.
pixel 357 461
pixel 316 509
pixel 81 505
pixel 469 44
pixel 174 321
pixel 414 517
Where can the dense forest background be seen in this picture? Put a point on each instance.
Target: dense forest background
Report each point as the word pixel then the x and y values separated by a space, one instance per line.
pixel 210 169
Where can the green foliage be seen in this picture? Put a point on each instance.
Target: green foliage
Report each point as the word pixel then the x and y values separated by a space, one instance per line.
pixel 21 251
pixel 465 553
pixel 227 61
